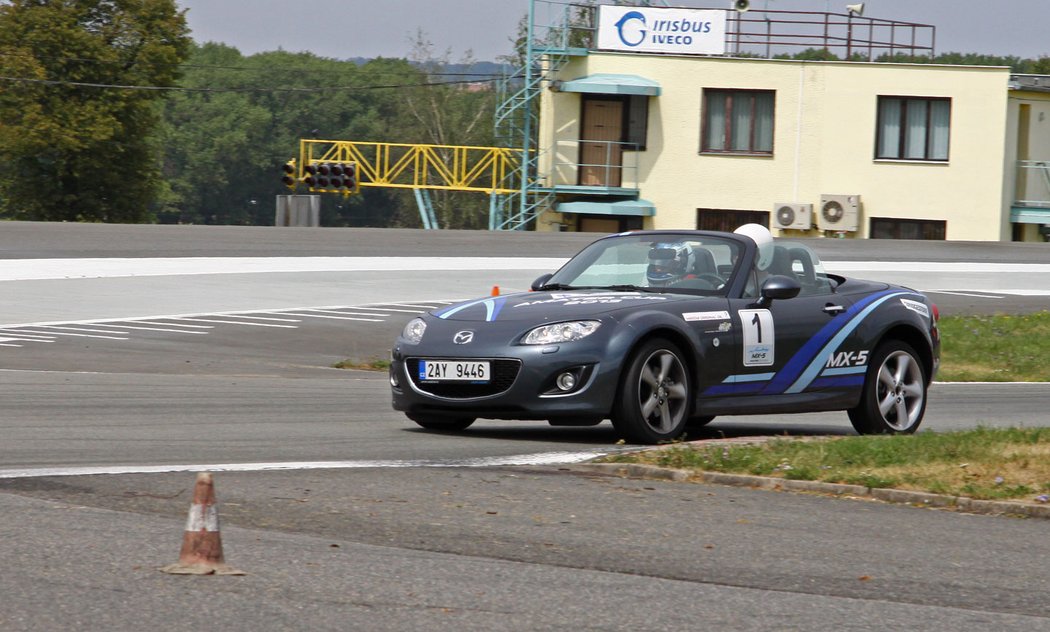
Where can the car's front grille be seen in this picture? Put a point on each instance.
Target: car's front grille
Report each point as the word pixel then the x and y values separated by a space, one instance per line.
pixel 504 371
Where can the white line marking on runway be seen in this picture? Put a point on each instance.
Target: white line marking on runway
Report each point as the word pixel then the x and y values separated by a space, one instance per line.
pixel 173 331
pixel 370 320
pixel 66 333
pixel 267 318
pixel 389 309
pixel 93 331
pixel 546 458
pixel 236 322
pixel 28 336
pixel 97 268
pixel 954 293
pixel 342 313
pixel 147 322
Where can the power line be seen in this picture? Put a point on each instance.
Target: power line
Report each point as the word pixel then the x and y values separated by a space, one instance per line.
pixel 83 84
pixel 268 68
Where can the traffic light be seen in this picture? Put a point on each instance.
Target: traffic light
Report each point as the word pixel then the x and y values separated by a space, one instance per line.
pixel 310 179
pixel 350 183
pixel 344 177
pixel 331 177
pixel 324 170
pixel 337 175
pixel 289 174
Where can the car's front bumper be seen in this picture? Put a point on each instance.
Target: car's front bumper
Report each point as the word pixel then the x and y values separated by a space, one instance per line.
pixel 523 385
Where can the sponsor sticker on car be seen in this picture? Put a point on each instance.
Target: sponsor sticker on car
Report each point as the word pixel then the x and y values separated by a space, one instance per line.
pixel 700 316
pixel 916 306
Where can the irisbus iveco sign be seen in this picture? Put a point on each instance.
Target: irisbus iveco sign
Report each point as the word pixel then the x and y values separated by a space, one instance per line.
pixel 650 30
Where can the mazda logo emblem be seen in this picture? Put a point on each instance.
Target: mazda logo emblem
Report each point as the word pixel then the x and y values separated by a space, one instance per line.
pixel 463 337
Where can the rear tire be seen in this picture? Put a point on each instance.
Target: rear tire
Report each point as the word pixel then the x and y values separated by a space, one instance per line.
pixel 894 397
pixel 654 397
pixel 435 422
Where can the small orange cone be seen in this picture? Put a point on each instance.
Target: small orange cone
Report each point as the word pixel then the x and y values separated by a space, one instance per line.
pixel 495 290
pixel 201 544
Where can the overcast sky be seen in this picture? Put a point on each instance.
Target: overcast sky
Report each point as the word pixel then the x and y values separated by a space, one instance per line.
pixel 371 28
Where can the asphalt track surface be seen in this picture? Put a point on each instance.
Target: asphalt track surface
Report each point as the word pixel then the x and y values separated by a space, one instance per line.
pixel 402 529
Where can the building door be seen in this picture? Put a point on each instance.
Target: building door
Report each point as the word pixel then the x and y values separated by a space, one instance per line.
pixel 601 152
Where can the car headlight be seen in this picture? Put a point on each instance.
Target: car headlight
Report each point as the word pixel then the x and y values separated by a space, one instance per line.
pixel 413 331
pixel 560 332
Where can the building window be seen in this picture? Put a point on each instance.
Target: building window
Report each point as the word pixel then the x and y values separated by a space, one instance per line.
pixel 637 121
pixel 893 228
pixel 913 128
pixel 737 121
pixel 728 221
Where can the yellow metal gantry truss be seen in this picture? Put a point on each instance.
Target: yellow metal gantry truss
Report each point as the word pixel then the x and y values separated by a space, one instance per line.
pixel 492 170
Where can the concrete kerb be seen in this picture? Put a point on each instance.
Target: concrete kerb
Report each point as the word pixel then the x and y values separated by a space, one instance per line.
pixel 772 483
pixel 900 496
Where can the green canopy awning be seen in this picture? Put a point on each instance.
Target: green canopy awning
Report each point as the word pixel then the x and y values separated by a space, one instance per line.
pixel 606 83
pixel 1029 215
pixel 636 208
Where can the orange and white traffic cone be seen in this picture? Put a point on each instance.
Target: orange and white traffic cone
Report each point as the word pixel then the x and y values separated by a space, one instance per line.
pixel 495 290
pixel 201 543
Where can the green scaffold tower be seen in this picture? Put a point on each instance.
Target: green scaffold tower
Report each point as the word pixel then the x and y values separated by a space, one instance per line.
pixel 555 32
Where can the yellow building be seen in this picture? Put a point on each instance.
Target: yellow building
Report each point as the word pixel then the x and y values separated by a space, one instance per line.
pixel 809 148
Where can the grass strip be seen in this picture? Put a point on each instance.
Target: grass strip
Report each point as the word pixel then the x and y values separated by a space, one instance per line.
pixel 1001 348
pixel 986 463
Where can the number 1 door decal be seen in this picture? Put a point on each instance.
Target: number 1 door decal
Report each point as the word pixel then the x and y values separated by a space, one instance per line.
pixel 759 337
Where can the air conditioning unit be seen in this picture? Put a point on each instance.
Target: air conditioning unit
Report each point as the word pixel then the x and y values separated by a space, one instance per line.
pixel 792 216
pixel 839 212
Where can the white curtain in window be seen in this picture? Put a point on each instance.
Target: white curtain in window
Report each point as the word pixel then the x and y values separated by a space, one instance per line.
pixel 743 105
pixel 915 135
pixel 716 121
pixel 889 128
pixel 940 120
pixel 763 122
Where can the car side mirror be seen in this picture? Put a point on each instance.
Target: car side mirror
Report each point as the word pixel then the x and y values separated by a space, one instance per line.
pixel 541 281
pixel 779 287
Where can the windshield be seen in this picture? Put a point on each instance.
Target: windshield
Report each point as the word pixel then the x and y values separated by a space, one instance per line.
pixel 685 263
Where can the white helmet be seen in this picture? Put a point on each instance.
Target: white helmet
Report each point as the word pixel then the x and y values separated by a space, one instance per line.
pixel 763 239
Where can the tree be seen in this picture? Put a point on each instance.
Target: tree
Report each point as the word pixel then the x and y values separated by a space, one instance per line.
pixel 449 110
pixel 79 108
pixel 241 118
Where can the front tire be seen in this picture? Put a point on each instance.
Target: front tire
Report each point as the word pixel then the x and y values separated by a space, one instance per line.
pixel 894 398
pixel 434 422
pixel 653 400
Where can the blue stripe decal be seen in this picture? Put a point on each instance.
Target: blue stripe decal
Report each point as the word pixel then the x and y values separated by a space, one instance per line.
pixel 837 382
pixel 746 388
pixel 743 384
pixel 748 377
pixel 492 308
pixel 849 370
pixel 497 305
pixel 458 308
pixel 802 369
pixel 808 353
pixel 822 357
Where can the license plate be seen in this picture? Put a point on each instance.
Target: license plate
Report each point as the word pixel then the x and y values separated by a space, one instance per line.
pixel 453 371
